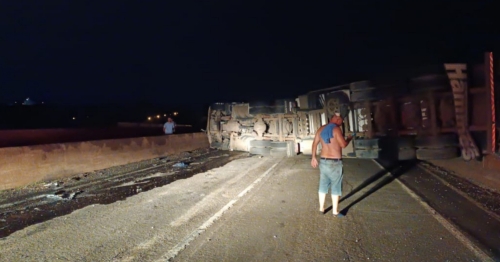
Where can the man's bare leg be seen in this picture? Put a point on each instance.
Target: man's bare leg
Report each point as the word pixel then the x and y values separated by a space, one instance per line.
pixel 322 198
pixel 335 204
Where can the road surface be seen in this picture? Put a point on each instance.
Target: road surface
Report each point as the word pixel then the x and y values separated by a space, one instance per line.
pixel 250 209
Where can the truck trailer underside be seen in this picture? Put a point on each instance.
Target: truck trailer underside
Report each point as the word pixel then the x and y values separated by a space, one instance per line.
pixel 444 112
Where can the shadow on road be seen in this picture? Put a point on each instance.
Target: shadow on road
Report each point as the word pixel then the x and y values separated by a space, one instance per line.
pixel 395 171
pixel 367 182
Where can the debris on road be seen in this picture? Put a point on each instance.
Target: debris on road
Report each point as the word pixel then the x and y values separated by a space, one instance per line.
pixel 53 184
pixel 63 195
pixel 60 197
pixel 180 164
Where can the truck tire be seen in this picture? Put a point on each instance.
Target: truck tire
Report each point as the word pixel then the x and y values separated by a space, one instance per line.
pixel 426 83
pixel 407 154
pixel 447 140
pixel 264 151
pixel 278 145
pixel 437 153
pixel 260 143
pixel 278 152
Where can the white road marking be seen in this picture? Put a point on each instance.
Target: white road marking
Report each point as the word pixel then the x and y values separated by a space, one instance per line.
pixel 445 223
pixel 180 246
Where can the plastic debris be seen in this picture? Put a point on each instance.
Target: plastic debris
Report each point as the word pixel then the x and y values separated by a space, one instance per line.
pixel 53 184
pixel 55 197
pixel 62 195
pixel 180 164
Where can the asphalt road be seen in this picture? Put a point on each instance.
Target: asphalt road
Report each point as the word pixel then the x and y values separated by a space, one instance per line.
pixel 251 209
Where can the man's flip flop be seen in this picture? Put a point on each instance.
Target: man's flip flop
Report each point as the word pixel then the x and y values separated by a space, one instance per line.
pixel 339 215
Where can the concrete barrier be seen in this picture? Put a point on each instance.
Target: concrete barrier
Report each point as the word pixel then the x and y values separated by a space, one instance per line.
pixel 20 166
pixel 29 137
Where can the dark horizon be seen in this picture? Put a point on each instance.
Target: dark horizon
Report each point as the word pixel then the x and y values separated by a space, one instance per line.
pixel 199 53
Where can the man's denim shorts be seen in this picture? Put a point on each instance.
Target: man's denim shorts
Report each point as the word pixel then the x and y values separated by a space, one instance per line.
pixel 330 176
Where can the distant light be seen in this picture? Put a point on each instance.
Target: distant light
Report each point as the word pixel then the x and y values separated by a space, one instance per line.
pixel 158 116
pixel 175 113
pixel 149 118
pixel 74 118
pixel 165 115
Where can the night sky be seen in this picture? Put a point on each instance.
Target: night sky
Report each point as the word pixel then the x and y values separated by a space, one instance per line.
pixel 183 52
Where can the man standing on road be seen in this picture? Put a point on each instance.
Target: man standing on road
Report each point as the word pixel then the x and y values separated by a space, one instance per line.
pixel 169 126
pixel 330 163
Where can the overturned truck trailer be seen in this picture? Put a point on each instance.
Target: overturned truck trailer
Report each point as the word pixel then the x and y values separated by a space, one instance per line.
pixel 286 127
pixel 437 112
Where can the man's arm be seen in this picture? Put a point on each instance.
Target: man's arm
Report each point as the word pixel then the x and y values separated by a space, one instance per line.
pixel 340 137
pixel 314 161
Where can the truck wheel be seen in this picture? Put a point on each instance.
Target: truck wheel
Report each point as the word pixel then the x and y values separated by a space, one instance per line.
pixel 264 151
pixel 407 154
pixel 278 152
pixel 260 143
pixel 447 140
pixel 278 144
pixel 437 153
pixel 426 83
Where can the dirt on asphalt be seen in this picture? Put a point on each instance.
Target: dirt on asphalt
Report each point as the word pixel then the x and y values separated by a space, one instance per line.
pixel 486 198
pixel 22 207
